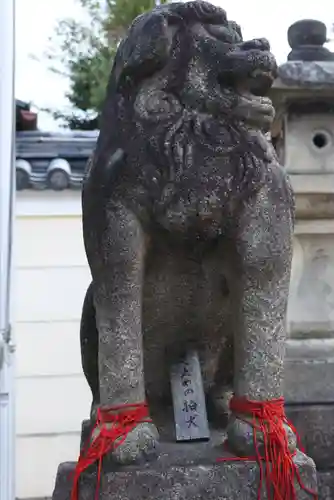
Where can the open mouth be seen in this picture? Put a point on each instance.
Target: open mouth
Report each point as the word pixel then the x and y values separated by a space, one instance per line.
pixel 257 83
pixel 260 82
pixel 255 88
pixel 254 107
pixel 252 87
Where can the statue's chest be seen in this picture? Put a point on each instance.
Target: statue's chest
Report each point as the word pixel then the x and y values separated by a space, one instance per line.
pixel 195 206
pixel 208 190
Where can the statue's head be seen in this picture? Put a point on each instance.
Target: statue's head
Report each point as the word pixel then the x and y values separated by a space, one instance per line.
pixel 203 56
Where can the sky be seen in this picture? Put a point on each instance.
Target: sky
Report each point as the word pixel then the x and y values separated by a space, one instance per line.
pixel 36 20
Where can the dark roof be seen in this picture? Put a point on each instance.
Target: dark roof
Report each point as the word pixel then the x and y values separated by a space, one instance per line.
pixel 57 161
pixel 22 104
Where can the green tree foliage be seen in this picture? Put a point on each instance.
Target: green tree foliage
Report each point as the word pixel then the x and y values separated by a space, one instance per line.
pixel 84 52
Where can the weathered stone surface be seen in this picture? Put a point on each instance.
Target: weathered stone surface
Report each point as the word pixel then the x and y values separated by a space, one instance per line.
pixel 305 74
pixel 188 472
pixel 309 32
pixel 187 226
pixel 315 426
pixel 309 381
pixel 309 371
pixel 326 485
pixel 310 349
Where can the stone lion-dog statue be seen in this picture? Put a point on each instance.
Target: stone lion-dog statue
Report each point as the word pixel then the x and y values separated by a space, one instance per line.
pixel 187 222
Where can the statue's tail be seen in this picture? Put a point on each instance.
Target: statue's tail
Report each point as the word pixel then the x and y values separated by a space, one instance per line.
pixel 89 340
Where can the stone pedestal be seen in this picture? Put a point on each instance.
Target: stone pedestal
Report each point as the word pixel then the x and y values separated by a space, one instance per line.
pixel 325 485
pixel 309 395
pixel 304 128
pixel 182 471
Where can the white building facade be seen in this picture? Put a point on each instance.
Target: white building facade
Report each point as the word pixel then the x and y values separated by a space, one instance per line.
pixel 50 278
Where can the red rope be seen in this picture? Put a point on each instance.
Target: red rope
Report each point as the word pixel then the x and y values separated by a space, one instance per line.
pixel 123 419
pixel 277 468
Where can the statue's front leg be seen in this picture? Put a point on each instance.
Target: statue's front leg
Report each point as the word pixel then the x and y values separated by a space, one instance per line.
pixel 262 261
pixel 117 265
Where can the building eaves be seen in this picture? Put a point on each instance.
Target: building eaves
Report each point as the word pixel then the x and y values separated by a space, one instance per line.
pixel 55 161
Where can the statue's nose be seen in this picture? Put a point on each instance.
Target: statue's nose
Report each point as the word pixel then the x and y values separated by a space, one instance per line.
pixel 256 44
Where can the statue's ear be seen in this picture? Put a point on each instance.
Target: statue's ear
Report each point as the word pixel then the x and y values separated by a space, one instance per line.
pixel 145 50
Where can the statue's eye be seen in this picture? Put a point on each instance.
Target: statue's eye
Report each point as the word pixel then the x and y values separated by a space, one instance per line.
pixel 235 28
pixel 223 33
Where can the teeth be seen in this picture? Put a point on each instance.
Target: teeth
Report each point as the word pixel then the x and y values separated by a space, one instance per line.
pixel 259 72
pixel 266 101
pixel 249 96
pixel 256 73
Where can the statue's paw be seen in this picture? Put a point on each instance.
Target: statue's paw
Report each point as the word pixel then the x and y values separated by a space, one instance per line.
pixel 140 445
pixel 241 438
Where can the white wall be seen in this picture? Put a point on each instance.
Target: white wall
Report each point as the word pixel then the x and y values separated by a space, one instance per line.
pixel 52 397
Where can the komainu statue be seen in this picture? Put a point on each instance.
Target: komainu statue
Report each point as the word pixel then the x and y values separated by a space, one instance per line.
pixel 187 223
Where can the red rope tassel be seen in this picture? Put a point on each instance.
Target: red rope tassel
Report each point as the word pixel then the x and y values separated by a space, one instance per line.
pixel 277 467
pixel 123 419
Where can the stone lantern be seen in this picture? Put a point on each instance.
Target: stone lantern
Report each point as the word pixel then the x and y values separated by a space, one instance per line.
pixel 303 134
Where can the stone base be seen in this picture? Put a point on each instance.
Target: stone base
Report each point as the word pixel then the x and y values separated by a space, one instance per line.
pixel 182 471
pixel 309 360
pixel 315 426
pixel 326 485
